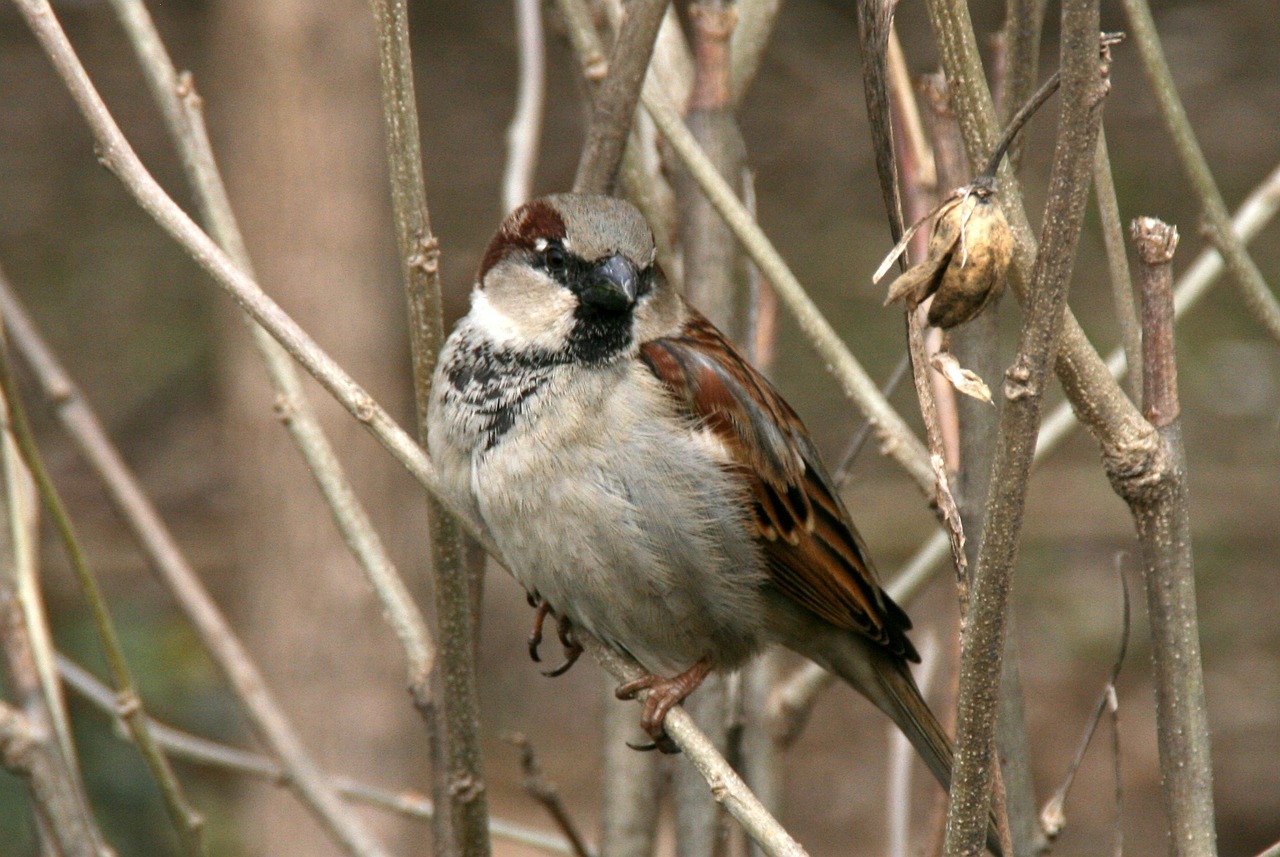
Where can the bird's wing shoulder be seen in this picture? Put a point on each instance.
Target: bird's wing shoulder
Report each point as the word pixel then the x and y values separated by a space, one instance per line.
pixel 814 554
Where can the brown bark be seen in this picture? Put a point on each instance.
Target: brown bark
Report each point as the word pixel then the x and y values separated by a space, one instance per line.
pixel 296 96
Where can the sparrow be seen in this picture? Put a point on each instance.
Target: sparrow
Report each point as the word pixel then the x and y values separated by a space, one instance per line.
pixel 644 483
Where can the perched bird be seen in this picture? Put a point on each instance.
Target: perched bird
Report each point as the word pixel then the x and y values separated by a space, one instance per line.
pixel 643 482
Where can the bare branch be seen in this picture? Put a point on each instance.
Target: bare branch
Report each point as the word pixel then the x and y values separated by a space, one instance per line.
pixel 1104 189
pixel 726 786
pixel 181 107
pixel 1258 297
pixel 452 708
pixel 203 751
pixel 186 820
pixel 33 755
pixel 615 103
pixel 545 792
pixel 525 131
pixel 1084 84
pixel 161 549
pixel 1157 496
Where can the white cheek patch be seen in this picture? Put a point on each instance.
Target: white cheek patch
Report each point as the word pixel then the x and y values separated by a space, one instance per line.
pixel 538 317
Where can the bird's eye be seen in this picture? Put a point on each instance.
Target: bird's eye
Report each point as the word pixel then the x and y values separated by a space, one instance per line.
pixel 555 260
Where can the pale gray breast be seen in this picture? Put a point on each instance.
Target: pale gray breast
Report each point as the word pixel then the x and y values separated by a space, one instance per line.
pixel 607 504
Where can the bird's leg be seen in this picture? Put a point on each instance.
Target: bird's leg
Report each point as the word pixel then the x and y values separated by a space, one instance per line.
pixel 572 648
pixel 664 694
pixel 535 636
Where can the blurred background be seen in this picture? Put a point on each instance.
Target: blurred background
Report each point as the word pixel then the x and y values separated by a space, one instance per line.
pixel 291 94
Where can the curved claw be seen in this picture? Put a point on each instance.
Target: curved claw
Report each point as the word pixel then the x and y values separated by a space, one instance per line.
pixel 572 648
pixel 535 636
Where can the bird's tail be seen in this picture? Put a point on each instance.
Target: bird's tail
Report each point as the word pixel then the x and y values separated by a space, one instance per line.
pixel 886 681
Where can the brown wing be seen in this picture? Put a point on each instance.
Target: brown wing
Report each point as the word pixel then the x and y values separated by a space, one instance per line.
pixel 814 554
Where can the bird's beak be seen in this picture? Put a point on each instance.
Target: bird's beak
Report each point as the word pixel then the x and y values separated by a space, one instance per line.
pixel 613 284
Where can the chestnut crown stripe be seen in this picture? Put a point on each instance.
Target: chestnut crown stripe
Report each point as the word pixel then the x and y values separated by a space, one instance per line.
pixel 521 230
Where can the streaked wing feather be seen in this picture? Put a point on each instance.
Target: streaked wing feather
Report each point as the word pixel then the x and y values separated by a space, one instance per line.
pixel 813 552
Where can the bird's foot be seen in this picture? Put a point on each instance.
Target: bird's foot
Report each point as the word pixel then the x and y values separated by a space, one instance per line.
pixel 564 630
pixel 664 694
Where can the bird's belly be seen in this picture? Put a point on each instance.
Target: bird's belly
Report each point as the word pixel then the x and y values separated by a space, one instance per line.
pixel 644 548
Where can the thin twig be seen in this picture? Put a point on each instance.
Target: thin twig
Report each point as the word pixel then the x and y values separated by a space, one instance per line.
pixel 1258 297
pixel 1157 497
pixel 186 821
pixel 1084 84
pixel 203 751
pixel 614 104
pixel 545 792
pixel 1053 816
pixel 525 131
pixel 182 109
pixel 1104 189
pixel 165 556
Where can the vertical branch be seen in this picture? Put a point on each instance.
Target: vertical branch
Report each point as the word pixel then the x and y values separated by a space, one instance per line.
pixel 1257 296
pixel 33 743
pixel 1084 84
pixel 186 821
pixel 615 103
pixel 1158 499
pixel 32 753
pixel 629 799
pixel 461 823
pixel 1104 189
pixel 525 130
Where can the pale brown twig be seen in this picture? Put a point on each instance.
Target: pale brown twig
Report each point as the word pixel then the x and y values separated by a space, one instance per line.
pixel 182 109
pixel 726 786
pixel 1053 816
pixel 1084 84
pixel 545 792
pixel 203 751
pixel 1258 297
pixel 525 131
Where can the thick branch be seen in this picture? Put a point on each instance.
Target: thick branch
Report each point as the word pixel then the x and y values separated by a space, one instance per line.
pixel 1158 498
pixel 615 103
pixel 982 646
pixel 453 710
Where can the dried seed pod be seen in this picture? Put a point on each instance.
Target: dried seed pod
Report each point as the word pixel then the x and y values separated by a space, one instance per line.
pixel 969 254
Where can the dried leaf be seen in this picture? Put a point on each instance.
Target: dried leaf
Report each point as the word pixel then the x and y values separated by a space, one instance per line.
pixel 962 379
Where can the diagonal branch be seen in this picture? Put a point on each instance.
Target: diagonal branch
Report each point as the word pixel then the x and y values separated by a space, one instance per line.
pixel 1084 87
pixel 1257 296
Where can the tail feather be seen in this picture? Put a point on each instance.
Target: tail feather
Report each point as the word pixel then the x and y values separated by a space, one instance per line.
pixel 911 713
pixel 886 680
